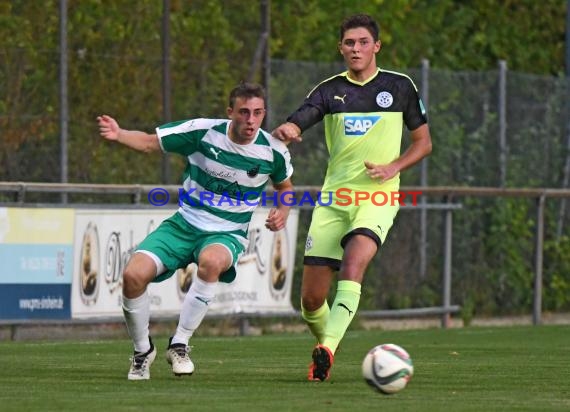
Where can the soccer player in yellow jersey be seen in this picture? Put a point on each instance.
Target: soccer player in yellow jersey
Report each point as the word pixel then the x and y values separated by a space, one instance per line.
pixel 364 110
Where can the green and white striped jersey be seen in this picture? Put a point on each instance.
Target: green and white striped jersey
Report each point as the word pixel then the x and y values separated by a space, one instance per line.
pixel 223 181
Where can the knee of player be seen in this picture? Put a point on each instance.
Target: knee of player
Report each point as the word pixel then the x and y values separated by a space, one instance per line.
pixel 353 271
pixel 210 271
pixel 311 302
pixel 133 280
pixel 212 262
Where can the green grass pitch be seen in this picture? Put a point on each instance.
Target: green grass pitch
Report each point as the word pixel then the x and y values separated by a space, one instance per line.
pixel 520 368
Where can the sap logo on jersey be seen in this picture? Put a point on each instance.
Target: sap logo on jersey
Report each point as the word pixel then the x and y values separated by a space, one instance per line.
pixel 359 125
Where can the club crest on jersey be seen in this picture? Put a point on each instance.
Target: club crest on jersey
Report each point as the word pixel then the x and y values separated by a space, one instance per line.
pixel 254 171
pixel 359 125
pixel 384 99
pixel 309 243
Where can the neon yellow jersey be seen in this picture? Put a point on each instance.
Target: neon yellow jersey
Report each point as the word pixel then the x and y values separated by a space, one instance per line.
pixel 363 121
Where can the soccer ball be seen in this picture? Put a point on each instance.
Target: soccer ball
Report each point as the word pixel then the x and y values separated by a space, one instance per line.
pixel 388 368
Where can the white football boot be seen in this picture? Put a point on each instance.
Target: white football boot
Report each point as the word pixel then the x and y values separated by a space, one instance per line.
pixel 140 364
pixel 178 356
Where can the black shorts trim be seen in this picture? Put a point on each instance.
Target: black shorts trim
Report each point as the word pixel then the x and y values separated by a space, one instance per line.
pixel 322 261
pixel 361 231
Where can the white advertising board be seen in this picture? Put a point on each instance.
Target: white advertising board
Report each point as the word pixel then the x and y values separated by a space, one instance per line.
pixel 105 239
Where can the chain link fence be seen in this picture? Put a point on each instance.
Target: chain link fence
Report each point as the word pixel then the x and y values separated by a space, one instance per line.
pixel 493 238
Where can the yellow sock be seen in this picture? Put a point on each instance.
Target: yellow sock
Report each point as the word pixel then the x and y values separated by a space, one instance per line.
pixel 342 312
pixel 317 320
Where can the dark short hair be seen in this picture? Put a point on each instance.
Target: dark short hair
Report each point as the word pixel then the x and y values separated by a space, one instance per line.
pixel 360 20
pixel 247 91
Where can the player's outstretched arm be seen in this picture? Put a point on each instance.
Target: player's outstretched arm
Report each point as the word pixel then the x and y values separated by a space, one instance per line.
pixel 277 218
pixel 288 132
pixel 141 141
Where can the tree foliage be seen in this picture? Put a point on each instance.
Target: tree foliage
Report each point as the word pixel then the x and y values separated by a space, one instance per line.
pixel 452 34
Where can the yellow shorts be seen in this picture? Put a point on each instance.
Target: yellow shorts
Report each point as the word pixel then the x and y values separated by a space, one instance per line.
pixel 332 225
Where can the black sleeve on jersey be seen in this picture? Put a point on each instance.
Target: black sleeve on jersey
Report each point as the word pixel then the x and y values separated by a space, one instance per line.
pixel 413 116
pixel 311 111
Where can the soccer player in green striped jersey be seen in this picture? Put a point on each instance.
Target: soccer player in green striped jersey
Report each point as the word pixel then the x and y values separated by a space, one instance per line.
pixel 364 110
pixel 230 161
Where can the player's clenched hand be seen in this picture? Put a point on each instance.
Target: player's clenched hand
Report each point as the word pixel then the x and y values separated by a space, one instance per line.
pixel 288 132
pixel 108 127
pixel 380 172
pixel 276 220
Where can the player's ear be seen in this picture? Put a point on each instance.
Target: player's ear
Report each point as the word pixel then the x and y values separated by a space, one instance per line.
pixel 229 111
pixel 378 46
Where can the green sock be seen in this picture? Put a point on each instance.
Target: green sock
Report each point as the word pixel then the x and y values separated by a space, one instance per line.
pixel 342 312
pixel 317 320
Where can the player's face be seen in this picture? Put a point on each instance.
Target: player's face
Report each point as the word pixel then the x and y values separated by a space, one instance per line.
pixel 359 51
pixel 246 116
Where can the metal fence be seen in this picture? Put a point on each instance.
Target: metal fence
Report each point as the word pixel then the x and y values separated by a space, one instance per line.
pixel 490 129
pixel 496 129
pixel 19 194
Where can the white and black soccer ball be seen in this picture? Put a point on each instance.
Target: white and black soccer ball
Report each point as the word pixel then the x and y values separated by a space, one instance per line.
pixel 387 368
